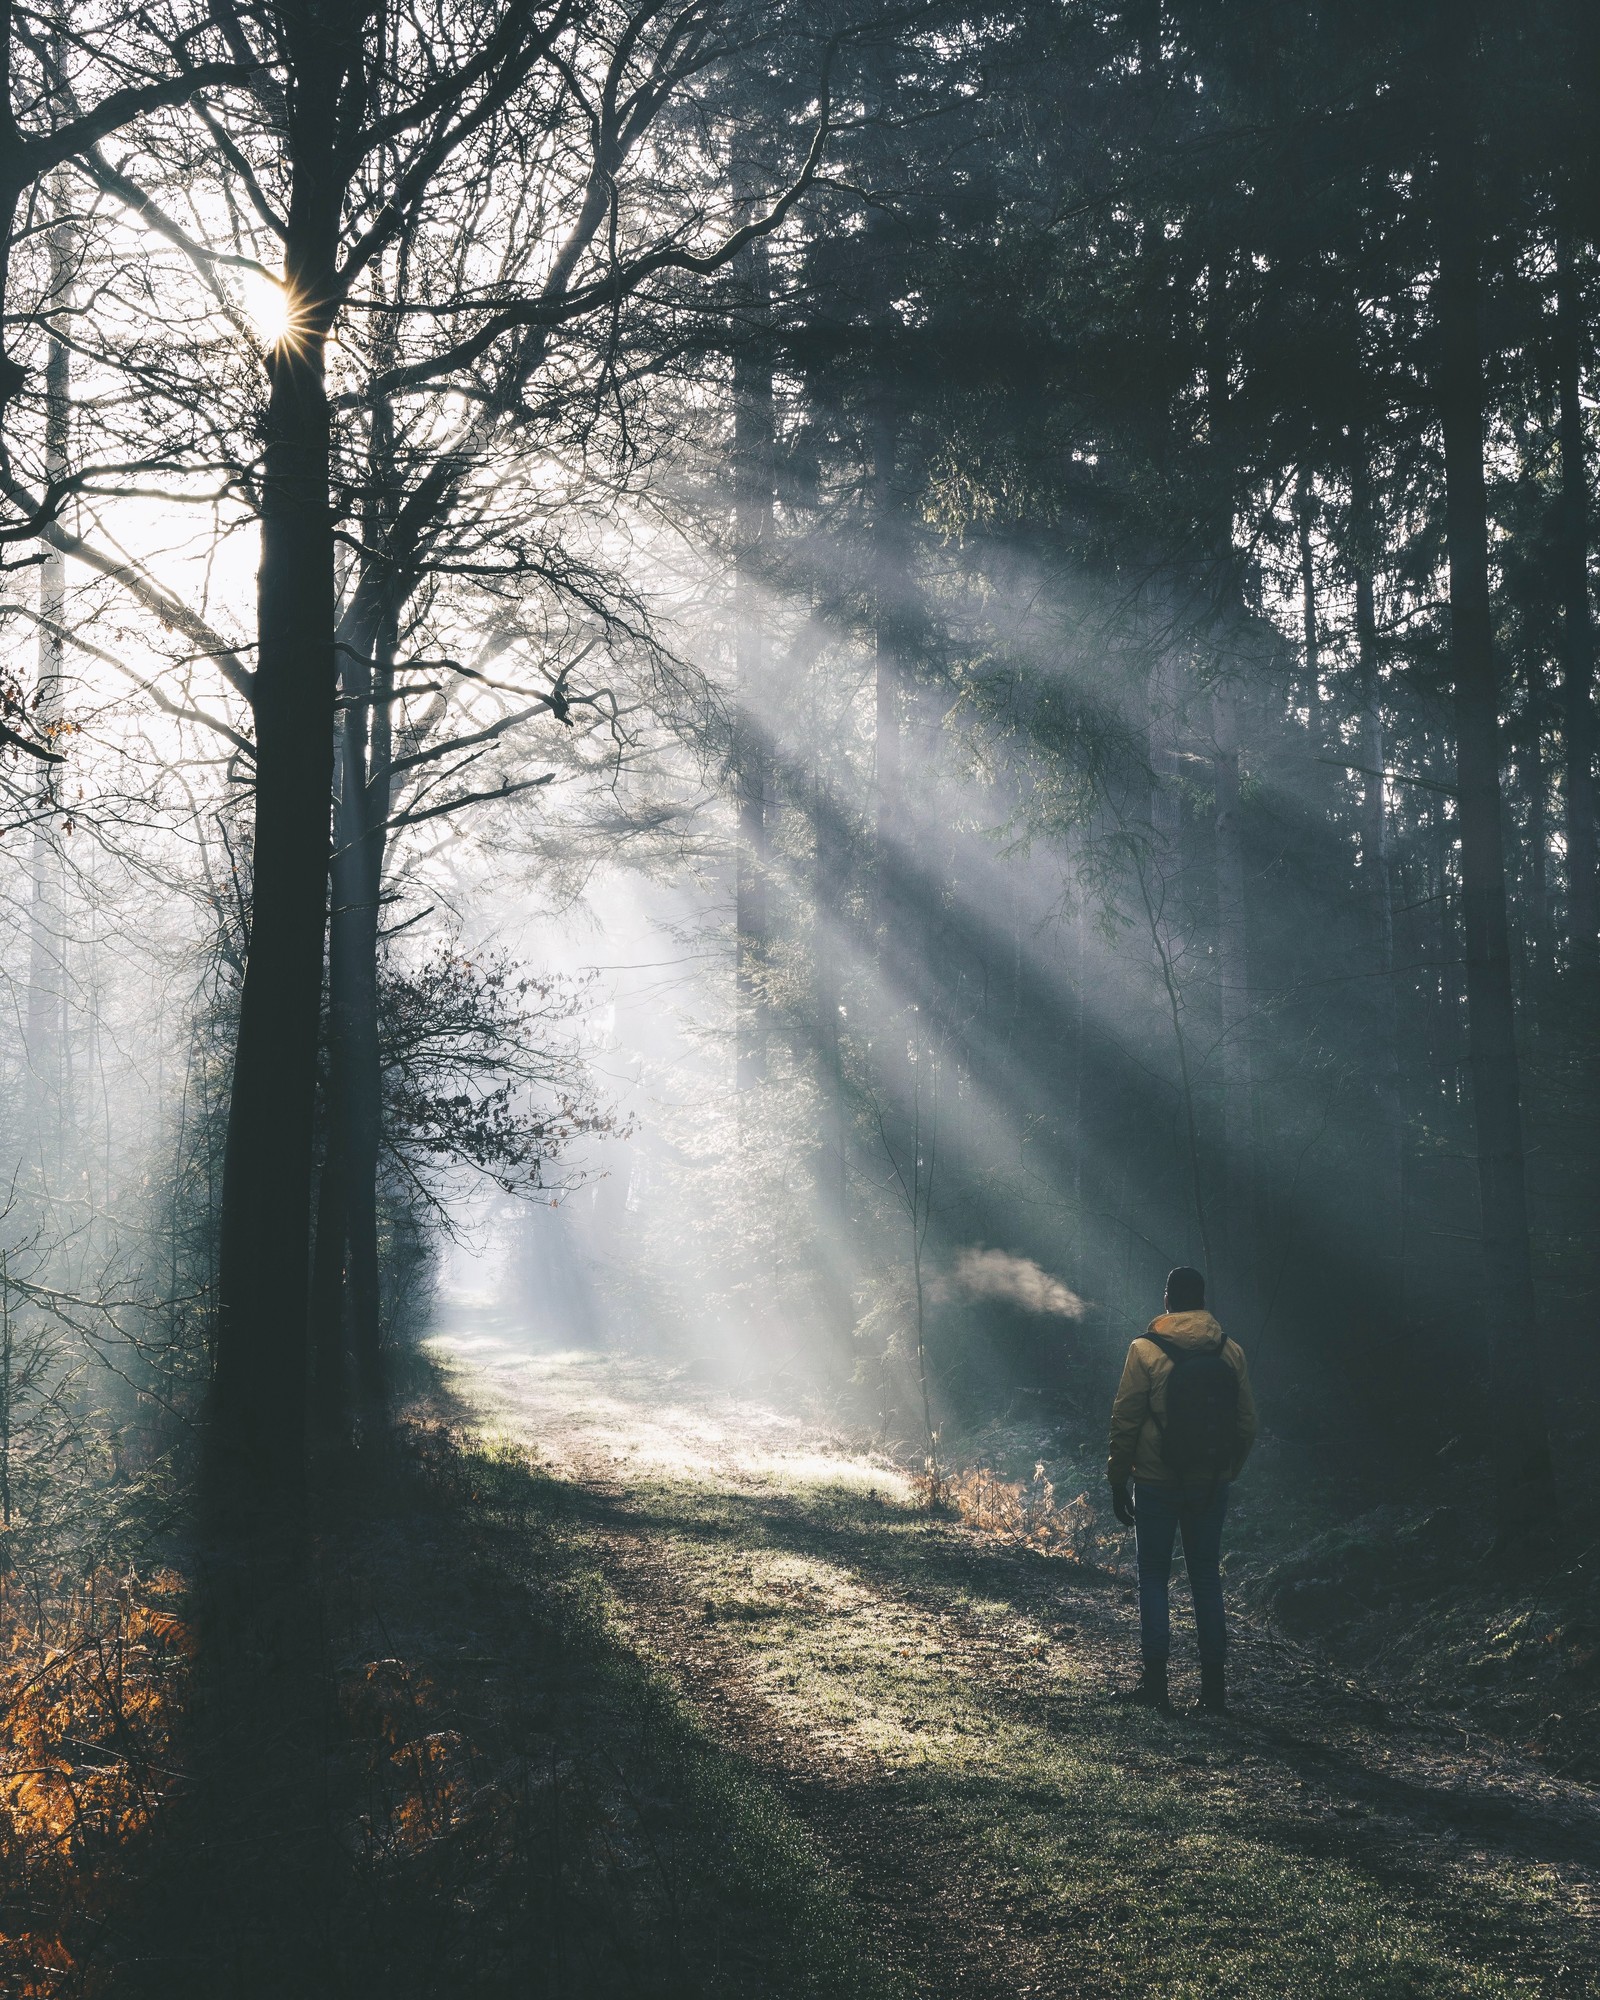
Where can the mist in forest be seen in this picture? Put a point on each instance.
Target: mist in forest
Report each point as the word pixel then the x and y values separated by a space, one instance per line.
pixel 716 719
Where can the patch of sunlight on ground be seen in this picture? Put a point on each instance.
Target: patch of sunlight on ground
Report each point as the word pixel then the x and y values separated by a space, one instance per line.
pixel 576 1407
pixel 869 1678
pixel 832 1615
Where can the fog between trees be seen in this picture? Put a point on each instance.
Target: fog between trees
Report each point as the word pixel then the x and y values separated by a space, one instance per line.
pixel 844 677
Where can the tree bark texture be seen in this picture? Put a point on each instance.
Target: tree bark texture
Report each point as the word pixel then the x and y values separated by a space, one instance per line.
pixel 332 1402
pixel 364 1137
pixel 1388 1182
pixel 1577 628
pixel 261 1380
pixel 355 1064
pixel 1538 954
pixel 1522 1447
pixel 1305 508
pixel 1233 971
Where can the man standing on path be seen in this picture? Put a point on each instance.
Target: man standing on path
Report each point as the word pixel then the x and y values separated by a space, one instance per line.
pixel 1181 1429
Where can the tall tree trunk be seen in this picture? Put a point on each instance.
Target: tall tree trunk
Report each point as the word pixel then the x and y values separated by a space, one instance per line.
pixel 894 616
pixel 1305 513
pixel 753 440
pixel 888 684
pixel 331 1400
pixel 368 646
pixel 830 889
pixel 1522 1447
pixel 901 870
pixel 346 1275
pixel 48 1111
pixel 261 1379
pixel 365 1134
pixel 369 638
pixel 1577 629
pixel 332 1407
pixel 1078 851
pixel 1080 1053
pixel 1539 948
pixel 1156 878
pixel 1241 1290
pixel 1446 1064
pixel 1388 1181
pixel 344 1338
pixel 1238 1081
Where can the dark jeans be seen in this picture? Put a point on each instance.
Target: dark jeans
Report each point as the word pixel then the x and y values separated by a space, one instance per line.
pixel 1160 1514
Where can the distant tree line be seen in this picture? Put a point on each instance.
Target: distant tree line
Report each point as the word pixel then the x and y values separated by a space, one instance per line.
pixel 1178 419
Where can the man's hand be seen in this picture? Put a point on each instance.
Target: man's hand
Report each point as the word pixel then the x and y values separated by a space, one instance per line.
pixel 1122 1504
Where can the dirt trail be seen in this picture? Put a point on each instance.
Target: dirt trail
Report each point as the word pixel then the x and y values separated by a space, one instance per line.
pixel 938 1710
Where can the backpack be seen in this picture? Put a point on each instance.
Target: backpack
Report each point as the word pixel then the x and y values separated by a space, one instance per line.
pixel 1200 1433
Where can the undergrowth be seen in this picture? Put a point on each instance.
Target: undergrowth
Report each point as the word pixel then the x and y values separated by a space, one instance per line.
pixel 434 1764
pixel 94 1676
pixel 1024 1512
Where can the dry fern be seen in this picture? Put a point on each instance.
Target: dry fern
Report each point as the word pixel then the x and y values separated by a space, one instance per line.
pixel 92 1677
pixel 1022 1511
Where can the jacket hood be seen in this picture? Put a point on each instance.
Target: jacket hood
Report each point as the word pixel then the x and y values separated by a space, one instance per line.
pixel 1191 1329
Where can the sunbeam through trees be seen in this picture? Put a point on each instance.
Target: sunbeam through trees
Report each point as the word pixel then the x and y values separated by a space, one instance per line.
pixel 756 761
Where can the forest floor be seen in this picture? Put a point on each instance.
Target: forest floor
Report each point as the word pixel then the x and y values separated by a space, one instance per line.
pixel 916 1731
pixel 595 1681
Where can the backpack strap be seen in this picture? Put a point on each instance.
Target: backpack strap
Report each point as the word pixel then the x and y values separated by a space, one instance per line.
pixel 1167 1347
pixel 1175 1353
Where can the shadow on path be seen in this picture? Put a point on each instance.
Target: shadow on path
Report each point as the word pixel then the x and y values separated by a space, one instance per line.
pixel 938 1708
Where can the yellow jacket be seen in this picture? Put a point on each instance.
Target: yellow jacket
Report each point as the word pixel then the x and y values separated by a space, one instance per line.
pixel 1141 1406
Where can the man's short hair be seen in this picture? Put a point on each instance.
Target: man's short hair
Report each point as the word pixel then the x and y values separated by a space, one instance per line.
pixel 1186 1289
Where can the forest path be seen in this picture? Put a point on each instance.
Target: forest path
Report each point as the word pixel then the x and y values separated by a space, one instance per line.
pixel 937 1710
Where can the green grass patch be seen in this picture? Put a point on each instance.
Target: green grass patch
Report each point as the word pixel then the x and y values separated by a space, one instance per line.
pixel 1002 1824
pixel 1161 1857
pixel 630 1851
